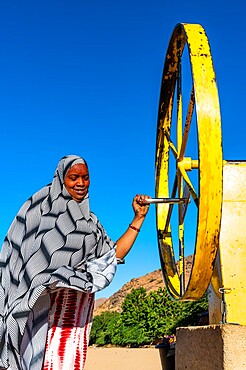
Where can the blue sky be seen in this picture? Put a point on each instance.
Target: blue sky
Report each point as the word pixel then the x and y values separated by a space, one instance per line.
pixel 83 77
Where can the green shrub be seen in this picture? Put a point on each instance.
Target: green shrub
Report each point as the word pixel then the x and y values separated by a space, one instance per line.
pixel 145 319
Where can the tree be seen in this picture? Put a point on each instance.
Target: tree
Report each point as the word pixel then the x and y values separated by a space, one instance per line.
pixel 104 328
pixel 145 318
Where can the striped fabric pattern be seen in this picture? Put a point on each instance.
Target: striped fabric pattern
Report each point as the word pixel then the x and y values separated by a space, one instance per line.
pixel 69 329
pixel 53 242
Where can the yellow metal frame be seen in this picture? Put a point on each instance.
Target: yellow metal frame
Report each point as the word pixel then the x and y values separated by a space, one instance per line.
pixel 204 102
pixel 227 292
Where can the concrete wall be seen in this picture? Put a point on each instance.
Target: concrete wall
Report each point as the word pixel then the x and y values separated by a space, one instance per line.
pixel 211 347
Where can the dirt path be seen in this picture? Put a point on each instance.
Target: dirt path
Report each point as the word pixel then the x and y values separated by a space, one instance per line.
pixel 123 359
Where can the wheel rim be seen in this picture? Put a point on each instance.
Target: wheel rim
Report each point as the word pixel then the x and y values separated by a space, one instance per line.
pixel 203 107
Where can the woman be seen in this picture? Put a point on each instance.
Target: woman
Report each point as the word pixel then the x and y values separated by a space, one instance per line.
pixel 55 256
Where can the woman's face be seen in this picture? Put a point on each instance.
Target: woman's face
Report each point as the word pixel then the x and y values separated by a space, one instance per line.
pixel 77 181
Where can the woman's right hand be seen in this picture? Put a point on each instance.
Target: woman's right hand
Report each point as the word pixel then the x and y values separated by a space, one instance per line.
pixel 140 208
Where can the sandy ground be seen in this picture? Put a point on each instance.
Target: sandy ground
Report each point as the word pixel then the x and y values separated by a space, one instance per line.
pixel 123 359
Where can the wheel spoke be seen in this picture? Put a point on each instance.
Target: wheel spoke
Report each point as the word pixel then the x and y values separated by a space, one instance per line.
pixel 181 236
pixel 184 206
pixel 189 185
pixel 181 255
pixel 179 105
pixel 187 123
pixel 171 144
pixel 170 208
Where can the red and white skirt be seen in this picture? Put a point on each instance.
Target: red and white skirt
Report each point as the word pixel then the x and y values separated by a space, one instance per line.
pixel 69 326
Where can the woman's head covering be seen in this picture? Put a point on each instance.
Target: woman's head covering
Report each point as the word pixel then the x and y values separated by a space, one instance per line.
pixel 53 242
pixel 58 188
pixel 63 167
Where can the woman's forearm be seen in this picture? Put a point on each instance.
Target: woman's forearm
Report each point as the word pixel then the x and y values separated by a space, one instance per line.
pixel 126 241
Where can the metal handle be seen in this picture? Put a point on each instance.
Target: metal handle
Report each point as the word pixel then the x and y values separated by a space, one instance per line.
pixel 163 200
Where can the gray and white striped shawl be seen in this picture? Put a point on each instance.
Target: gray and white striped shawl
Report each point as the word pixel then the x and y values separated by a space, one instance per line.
pixel 53 242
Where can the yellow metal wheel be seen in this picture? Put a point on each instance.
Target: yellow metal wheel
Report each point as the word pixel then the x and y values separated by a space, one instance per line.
pixel 196 177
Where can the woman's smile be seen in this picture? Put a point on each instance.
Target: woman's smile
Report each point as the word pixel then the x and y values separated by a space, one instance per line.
pixel 77 181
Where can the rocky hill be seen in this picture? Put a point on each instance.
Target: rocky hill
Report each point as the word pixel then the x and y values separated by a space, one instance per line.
pixel 151 281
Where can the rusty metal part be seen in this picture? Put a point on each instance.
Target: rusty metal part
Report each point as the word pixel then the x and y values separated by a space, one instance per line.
pixel 203 108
